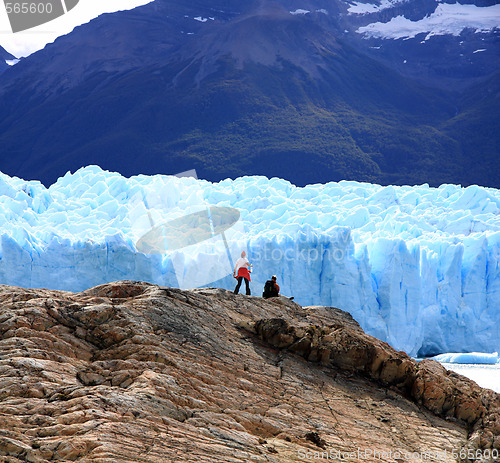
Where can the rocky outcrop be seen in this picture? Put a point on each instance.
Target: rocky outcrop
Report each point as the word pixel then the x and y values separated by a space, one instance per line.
pixel 427 383
pixel 133 372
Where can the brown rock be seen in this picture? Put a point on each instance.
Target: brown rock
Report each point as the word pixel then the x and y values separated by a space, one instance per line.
pixel 13 447
pixel 130 372
pixel 496 443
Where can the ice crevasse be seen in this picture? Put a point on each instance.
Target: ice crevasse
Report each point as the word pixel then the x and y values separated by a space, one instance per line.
pixel 416 266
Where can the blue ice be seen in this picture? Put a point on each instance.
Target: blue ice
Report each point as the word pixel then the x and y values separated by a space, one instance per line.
pixel 418 267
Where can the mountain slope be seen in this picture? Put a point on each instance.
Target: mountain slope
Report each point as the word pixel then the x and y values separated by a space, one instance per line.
pixel 445 44
pixel 232 89
pixel 476 128
pixel 4 57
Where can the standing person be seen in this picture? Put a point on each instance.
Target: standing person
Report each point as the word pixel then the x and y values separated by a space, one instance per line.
pixel 271 288
pixel 242 270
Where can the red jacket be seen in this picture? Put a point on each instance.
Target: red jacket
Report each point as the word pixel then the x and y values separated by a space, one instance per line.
pixel 243 272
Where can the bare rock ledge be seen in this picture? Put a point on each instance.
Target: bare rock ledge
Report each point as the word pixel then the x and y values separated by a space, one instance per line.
pixel 135 372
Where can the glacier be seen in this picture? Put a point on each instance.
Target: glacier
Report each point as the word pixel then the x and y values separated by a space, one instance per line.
pixel 416 266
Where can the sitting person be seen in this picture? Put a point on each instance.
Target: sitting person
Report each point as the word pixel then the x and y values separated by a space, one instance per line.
pixel 271 288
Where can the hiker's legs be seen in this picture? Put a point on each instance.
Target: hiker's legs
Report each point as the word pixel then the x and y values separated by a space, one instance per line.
pixel 238 285
pixel 247 283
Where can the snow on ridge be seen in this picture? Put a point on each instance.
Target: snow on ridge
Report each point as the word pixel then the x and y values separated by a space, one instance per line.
pixel 365 8
pixel 203 20
pixel 479 51
pixel 446 19
pixel 418 267
pixel 12 62
pixel 301 11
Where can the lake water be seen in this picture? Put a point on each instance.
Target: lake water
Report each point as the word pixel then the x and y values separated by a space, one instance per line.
pixel 487 376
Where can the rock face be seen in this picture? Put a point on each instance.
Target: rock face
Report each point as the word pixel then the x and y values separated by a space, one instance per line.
pixel 133 372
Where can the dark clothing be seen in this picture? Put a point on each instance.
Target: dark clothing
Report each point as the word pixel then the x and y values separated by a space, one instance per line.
pixel 271 289
pixel 247 283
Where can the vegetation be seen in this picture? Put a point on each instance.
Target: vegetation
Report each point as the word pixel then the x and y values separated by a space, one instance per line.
pixel 358 120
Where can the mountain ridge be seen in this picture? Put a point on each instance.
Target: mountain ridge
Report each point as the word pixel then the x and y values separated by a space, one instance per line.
pixel 4 57
pixel 166 88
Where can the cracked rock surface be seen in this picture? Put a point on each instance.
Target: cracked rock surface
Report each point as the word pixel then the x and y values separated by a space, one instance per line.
pixel 134 372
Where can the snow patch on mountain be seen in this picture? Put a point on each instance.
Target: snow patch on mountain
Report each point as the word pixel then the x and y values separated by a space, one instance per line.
pixel 365 8
pixel 446 19
pixel 299 11
pixel 201 19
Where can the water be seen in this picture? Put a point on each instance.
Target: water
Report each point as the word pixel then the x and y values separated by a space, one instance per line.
pixel 487 376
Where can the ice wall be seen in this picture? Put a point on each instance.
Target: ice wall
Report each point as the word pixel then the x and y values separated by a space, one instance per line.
pixel 417 266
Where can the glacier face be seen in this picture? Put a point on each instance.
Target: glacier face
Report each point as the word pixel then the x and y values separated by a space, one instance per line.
pixel 418 267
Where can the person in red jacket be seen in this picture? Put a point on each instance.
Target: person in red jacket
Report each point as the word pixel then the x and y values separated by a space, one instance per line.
pixel 242 271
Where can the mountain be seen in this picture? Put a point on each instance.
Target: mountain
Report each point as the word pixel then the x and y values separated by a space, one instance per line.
pixel 443 44
pixel 133 372
pixel 5 56
pixel 309 91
